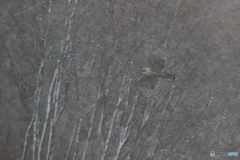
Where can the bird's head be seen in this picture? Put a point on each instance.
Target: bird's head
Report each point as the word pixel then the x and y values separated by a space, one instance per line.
pixel 143 69
pixel 146 70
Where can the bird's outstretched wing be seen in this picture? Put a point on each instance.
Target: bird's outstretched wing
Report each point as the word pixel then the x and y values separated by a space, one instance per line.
pixel 146 84
pixel 157 60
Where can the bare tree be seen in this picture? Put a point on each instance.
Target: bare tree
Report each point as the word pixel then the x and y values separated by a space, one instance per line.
pixel 69 71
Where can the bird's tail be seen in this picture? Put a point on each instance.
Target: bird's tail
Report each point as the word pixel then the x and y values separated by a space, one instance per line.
pixel 168 76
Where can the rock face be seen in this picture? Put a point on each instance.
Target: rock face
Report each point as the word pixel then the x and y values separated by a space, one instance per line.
pixel 69 70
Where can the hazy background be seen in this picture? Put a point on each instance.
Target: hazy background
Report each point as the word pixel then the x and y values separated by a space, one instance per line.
pixel 68 72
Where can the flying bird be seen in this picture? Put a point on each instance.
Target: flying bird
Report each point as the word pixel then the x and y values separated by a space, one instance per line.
pixel 153 72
